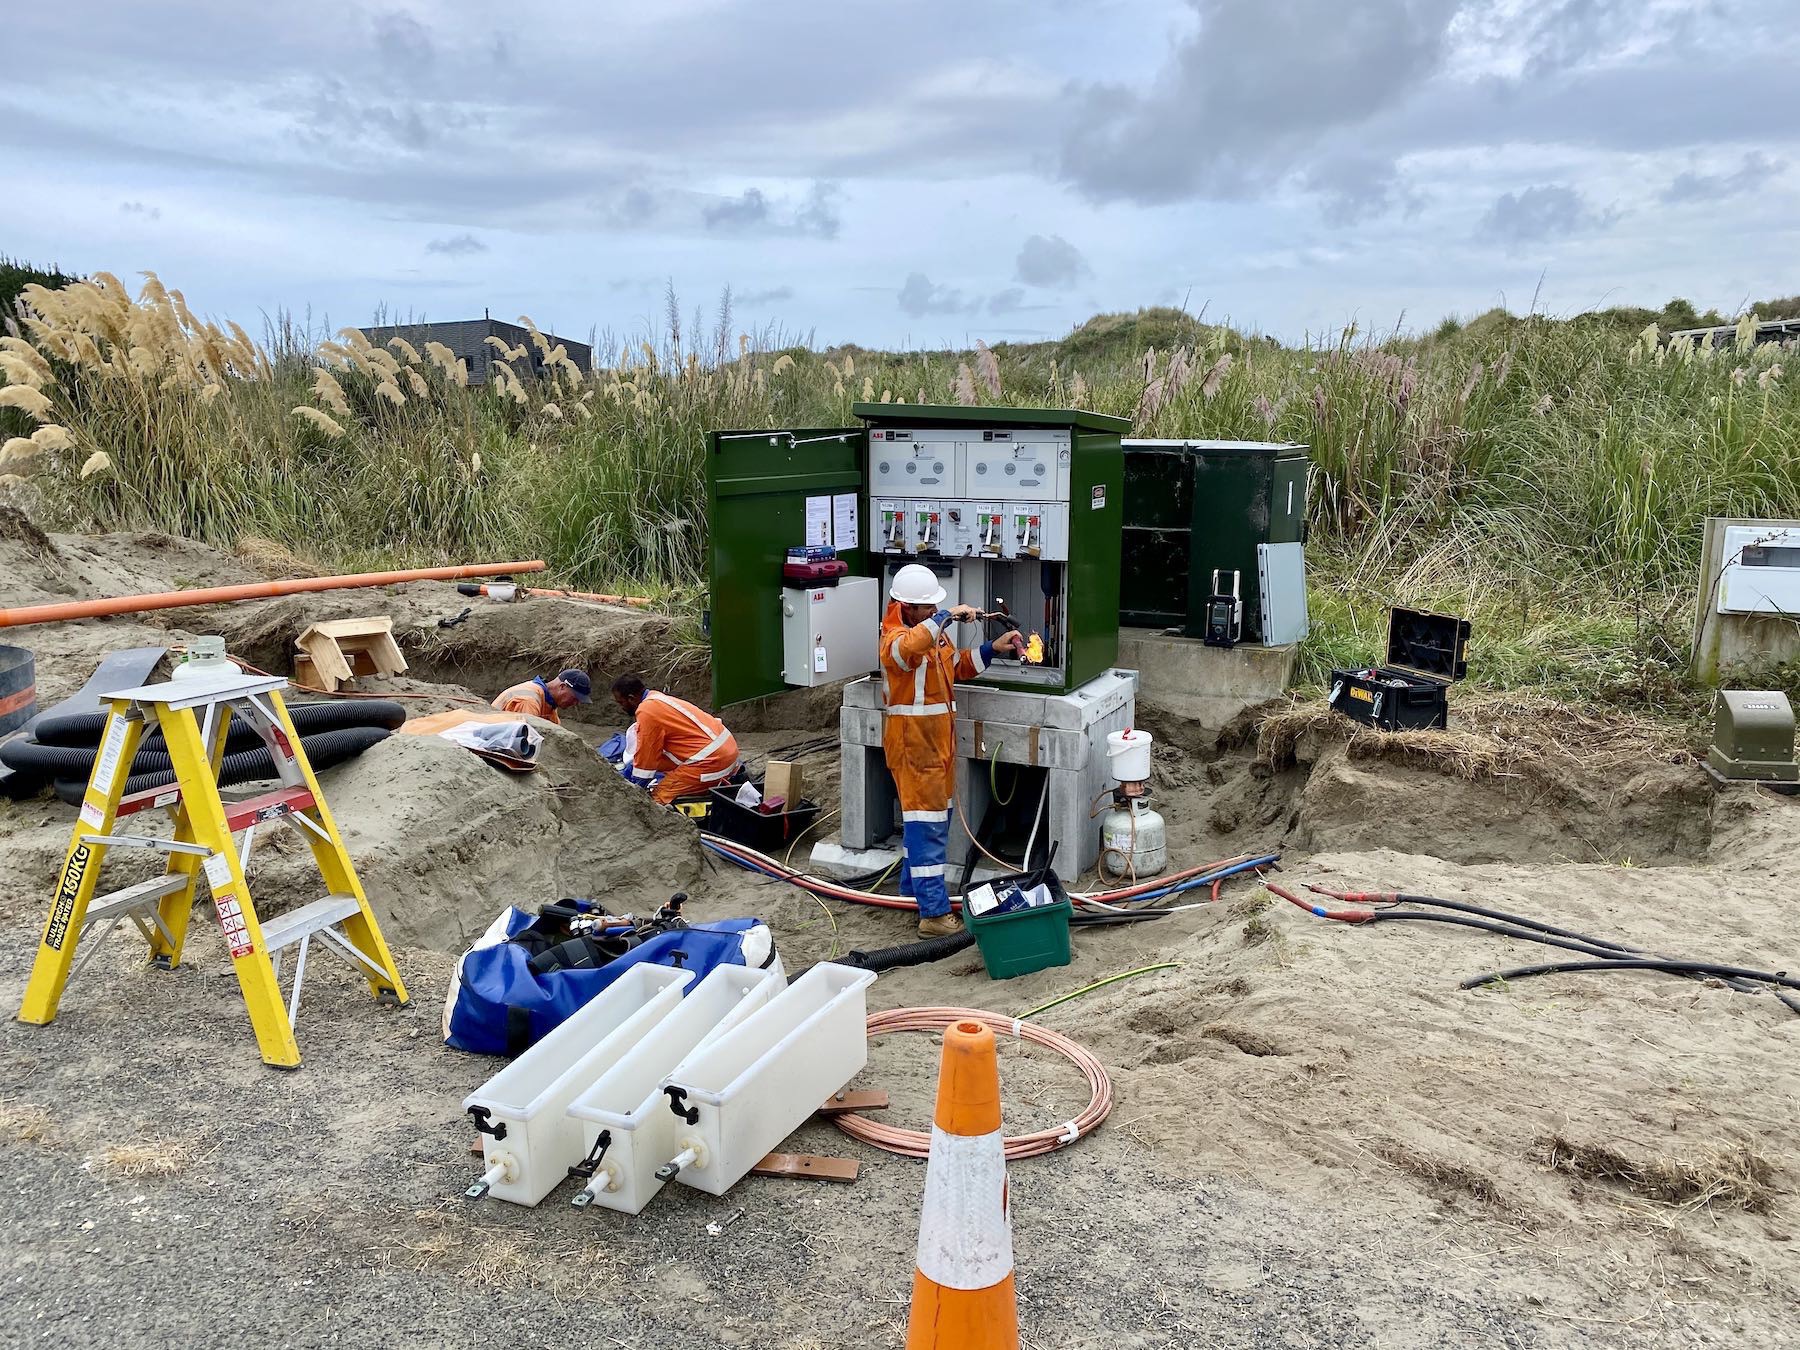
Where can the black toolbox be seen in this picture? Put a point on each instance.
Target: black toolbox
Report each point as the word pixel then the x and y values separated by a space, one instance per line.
pixel 1426 653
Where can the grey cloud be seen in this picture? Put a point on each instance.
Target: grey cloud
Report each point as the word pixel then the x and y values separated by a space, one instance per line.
pixel 754 213
pixel 1051 262
pixel 331 115
pixel 404 44
pixel 457 246
pixel 1547 211
pixel 1354 187
pixel 1246 100
pixel 1559 34
pixel 773 295
pixel 739 213
pixel 140 209
pixel 1008 301
pixel 921 296
pixel 1694 186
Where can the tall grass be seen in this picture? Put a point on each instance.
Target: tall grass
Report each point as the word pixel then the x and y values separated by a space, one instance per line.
pixel 1549 477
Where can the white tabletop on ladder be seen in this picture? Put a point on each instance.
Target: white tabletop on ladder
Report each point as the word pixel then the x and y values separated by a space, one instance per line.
pixel 195 692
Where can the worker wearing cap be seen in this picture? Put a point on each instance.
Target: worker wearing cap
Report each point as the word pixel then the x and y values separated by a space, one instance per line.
pixel 544 698
pixel 918 667
pixel 689 746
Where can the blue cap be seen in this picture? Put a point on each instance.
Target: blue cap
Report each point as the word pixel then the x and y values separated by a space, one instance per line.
pixel 578 681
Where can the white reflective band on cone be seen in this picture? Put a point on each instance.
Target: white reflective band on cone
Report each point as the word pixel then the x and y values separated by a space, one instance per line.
pixel 965 1232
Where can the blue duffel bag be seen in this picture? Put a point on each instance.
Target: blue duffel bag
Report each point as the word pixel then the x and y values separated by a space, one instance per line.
pixel 499 1005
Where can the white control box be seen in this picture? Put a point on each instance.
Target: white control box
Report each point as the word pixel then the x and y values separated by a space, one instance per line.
pixel 1760 570
pixel 912 464
pixel 829 632
pixel 1017 466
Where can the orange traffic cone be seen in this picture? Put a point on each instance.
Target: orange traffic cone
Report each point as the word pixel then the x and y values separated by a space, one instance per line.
pixel 963 1295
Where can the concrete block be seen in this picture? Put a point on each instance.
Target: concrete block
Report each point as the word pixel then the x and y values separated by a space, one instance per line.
pixel 861 726
pixel 1211 685
pixel 864 693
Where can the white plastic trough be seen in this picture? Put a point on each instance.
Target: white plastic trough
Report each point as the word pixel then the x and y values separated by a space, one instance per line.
pixel 627 1104
pixel 738 1097
pixel 529 1142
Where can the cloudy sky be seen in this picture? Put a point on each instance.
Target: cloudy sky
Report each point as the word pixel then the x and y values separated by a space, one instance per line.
pixel 910 172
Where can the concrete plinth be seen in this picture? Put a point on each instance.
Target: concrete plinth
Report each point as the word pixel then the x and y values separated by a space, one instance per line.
pixel 1064 735
pixel 1211 685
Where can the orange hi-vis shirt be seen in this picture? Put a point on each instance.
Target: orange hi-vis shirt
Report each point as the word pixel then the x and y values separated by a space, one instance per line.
pixel 688 745
pixel 530 697
pixel 919 666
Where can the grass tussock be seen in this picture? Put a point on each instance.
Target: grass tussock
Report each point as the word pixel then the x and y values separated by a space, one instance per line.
pixel 1442 1174
pixel 1509 735
pixel 1734 1176
pixel 1546 479
pixel 26 1121
pixel 446 1242
pixel 149 1158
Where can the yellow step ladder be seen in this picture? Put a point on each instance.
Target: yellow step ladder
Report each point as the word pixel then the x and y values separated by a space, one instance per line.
pixel 193 716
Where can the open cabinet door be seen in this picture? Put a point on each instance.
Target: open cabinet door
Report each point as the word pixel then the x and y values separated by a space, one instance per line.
pixel 767 492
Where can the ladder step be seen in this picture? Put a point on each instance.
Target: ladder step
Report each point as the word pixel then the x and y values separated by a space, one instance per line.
pixel 286 929
pixel 128 898
pixel 147 841
pixel 269 806
pixel 150 798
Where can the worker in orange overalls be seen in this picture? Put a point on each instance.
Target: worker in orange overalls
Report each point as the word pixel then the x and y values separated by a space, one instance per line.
pixel 690 747
pixel 918 667
pixel 544 698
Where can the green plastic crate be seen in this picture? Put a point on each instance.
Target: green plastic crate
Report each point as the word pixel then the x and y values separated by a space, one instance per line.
pixel 1025 940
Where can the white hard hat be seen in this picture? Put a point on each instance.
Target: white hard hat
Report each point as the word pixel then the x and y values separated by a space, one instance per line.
pixel 916 585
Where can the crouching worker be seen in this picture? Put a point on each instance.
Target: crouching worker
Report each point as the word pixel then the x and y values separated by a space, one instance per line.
pixel 544 698
pixel 918 667
pixel 690 747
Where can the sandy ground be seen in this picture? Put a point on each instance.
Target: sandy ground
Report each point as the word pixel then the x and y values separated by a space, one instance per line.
pixel 1319 1139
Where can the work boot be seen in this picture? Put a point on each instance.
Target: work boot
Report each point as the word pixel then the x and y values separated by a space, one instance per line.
pixel 942 926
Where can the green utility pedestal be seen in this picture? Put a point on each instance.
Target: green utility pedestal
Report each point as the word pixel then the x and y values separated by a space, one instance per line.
pixel 1195 507
pixel 1753 737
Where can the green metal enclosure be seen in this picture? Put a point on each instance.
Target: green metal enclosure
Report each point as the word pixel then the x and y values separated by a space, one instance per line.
pixel 1195 506
pixel 757 487
pixel 1022 504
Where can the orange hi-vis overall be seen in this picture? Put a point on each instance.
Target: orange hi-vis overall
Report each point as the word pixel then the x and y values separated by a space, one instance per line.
pixel 919 666
pixel 532 697
pixel 690 748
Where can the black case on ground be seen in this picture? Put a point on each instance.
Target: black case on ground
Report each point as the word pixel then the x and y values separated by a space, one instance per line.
pixel 1426 653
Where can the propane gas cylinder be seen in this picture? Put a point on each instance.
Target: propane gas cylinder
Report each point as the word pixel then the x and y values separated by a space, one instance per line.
pixel 1132 832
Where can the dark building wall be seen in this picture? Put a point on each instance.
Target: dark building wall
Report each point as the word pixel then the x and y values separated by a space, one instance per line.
pixel 467 339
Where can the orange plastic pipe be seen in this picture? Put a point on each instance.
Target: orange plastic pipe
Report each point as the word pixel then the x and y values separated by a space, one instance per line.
pixel 221 595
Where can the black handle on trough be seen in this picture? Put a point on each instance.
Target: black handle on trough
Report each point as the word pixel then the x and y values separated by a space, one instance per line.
pixel 481 1115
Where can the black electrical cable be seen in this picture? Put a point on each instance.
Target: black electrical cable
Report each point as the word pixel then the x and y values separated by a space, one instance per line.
pixel 1701 968
pixel 1488 926
pixel 1605 946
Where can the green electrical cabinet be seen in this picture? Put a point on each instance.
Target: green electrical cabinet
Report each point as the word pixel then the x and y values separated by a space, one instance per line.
pixel 1014 508
pixel 1195 506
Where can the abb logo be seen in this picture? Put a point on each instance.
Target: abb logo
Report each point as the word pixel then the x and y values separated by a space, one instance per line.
pixel 818 597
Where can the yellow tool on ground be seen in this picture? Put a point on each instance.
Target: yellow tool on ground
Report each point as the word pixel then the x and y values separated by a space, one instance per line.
pixel 194 714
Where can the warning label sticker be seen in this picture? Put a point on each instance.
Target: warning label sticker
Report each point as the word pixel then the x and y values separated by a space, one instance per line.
pixel 106 768
pixel 231 920
pixel 56 932
pixel 1099 497
pixel 92 815
pixel 218 872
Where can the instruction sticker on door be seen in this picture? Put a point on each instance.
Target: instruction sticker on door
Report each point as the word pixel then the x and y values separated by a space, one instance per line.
pixel 1099 497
